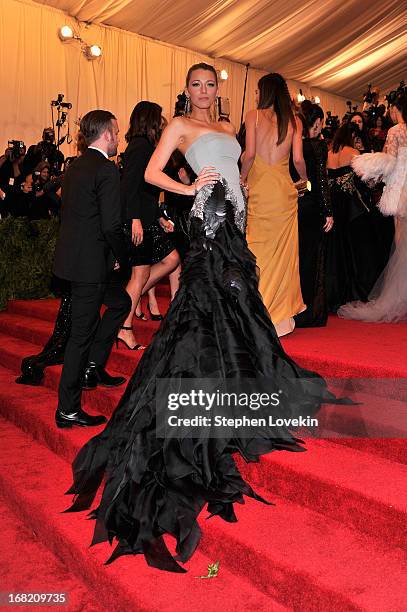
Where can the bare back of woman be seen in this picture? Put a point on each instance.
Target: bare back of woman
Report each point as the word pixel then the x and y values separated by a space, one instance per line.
pixel 341 158
pixel 266 126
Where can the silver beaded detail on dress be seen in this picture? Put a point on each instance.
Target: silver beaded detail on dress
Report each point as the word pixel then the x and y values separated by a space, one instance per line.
pixel 212 221
pixel 222 153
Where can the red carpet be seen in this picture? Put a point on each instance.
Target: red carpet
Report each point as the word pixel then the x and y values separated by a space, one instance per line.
pixel 335 540
pixel 352 348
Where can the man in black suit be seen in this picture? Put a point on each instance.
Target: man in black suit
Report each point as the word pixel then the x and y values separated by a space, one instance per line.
pixel 90 245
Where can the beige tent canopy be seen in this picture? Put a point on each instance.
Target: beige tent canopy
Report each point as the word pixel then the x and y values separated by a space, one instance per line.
pixel 328 48
pixel 337 45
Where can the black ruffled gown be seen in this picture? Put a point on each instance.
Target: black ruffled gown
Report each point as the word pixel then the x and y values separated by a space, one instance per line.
pixel 216 327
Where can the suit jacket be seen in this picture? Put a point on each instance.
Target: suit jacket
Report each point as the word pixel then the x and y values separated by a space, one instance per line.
pixel 140 200
pixel 90 237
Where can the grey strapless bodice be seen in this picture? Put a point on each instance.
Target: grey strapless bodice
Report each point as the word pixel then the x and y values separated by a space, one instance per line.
pixel 222 151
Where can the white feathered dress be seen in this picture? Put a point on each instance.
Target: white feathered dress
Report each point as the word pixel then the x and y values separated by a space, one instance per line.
pixel 388 299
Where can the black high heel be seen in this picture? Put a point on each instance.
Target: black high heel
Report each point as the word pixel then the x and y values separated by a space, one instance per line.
pixel 154 317
pixel 141 317
pixel 136 347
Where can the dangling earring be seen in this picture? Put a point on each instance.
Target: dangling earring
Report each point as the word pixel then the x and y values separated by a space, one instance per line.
pixel 214 109
pixel 187 108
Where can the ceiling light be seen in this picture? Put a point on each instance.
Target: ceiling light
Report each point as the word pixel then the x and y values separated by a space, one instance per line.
pixel 65 33
pixel 224 75
pixel 92 52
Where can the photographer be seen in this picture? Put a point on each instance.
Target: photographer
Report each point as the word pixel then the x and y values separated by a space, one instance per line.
pixel 45 202
pixel 10 171
pixel 361 140
pixel 378 134
pixel 45 150
pixel 46 189
pixel 19 201
pixel 31 199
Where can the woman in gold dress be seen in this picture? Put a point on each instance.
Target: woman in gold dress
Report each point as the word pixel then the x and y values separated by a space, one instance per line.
pixel 272 227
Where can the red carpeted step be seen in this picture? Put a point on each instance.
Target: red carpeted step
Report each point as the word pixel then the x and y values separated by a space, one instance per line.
pixel 296 550
pixel 356 421
pixel 16 330
pixel 352 348
pixel 38 330
pixel 102 400
pixel 362 491
pixel 342 349
pixel 394 449
pixel 47 308
pixel 280 549
pixel 373 417
pixel 339 502
pixel 27 566
pixel 32 479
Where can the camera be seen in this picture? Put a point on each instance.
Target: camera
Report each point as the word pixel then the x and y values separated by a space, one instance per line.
pixel 48 135
pixel 16 149
pixel 377 111
pixel 331 120
pixel 351 109
pixel 60 103
pixel 37 184
pixel 47 146
pixel 331 125
pixel 47 150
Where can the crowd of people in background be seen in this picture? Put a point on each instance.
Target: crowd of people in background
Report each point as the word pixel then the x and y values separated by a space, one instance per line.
pixel 30 180
pixel 318 247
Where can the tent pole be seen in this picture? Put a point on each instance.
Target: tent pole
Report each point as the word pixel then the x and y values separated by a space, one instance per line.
pixel 244 94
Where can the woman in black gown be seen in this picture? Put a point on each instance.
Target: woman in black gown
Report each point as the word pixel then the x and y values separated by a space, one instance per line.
pixel 216 328
pixel 384 227
pixel 353 263
pixel 314 221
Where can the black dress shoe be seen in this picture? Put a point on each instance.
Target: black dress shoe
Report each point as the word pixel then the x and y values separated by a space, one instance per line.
pixel 96 375
pixel 79 418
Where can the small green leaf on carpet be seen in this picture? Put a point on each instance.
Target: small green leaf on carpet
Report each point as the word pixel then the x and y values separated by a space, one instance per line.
pixel 213 569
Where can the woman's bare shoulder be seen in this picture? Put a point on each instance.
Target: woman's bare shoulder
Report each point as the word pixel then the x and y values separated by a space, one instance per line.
pixel 251 116
pixel 350 150
pixel 177 124
pixel 178 130
pixel 228 127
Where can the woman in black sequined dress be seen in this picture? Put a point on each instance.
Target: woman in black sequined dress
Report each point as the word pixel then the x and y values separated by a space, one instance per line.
pixel 314 221
pixel 152 252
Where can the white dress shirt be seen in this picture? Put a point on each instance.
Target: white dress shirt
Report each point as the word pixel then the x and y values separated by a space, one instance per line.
pixel 100 151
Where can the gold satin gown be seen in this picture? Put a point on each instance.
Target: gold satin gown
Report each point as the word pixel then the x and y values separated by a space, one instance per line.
pixel 272 236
